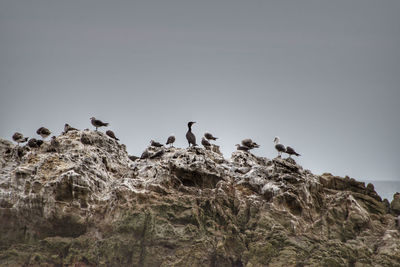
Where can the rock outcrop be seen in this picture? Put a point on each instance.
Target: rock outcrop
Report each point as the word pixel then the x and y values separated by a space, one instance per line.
pixel 85 203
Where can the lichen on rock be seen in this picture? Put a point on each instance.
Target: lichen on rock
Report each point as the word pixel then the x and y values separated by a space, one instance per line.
pixel 87 203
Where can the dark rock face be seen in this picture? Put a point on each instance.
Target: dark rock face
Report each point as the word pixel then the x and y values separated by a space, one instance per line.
pixel 88 204
pixel 395 204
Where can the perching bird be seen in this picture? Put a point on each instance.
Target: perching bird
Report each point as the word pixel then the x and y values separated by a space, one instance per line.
pixel 111 134
pixel 156 144
pixel 34 143
pixel 146 154
pixel 133 158
pixel 278 146
pixel 210 136
pixel 243 148
pixel 205 143
pixel 98 123
pixel 157 154
pixel 249 143
pixel 291 151
pixel 54 144
pixel 19 138
pixel 171 140
pixel 68 128
pixel 191 138
pixel 43 132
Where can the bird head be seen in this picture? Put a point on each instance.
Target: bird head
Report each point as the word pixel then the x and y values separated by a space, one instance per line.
pixel 276 140
pixel 190 123
pixel 92 118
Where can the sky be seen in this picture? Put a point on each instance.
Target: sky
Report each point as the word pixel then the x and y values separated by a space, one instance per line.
pixel 324 76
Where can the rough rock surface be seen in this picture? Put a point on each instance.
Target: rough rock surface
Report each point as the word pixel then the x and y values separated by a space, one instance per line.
pixel 85 203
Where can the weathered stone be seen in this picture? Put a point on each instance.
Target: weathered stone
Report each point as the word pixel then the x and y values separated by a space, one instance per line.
pixel 395 204
pixel 88 204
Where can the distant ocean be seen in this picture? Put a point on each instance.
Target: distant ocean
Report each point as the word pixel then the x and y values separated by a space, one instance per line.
pixel 385 189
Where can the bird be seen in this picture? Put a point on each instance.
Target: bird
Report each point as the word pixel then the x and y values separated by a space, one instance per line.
pixel 291 151
pixel 210 136
pixel 34 143
pixel 243 148
pixel 205 143
pixel 156 144
pixel 68 128
pixel 249 143
pixel 189 135
pixel 54 144
pixel 278 146
pixel 19 138
pixel 111 134
pixel 171 140
pixel 39 143
pixel 98 123
pixel 133 158
pixel 146 154
pixel 157 154
pixel 43 132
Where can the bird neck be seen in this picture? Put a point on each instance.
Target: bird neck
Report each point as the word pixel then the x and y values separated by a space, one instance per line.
pixel 190 127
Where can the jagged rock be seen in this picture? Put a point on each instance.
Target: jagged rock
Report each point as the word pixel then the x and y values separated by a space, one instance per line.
pixel 88 203
pixel 395 204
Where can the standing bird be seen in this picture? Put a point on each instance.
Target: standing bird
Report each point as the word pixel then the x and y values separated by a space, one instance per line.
pixel 156 144
pixel 243 148
pixel 291 151
pixel 98 123
pixel 278 146
pixel 171 140
pixel 111 134
pixel 54 144
pixel 249 143
pixel 43 132
pixel 68 128
pixel 205 143
pixel 210 136
pixel 19 138
pixel 189 135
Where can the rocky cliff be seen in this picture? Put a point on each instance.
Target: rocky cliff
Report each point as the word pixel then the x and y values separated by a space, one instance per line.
pixel 82 202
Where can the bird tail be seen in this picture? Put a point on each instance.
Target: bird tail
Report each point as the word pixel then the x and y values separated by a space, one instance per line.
pixel 297 154
pixel 106 124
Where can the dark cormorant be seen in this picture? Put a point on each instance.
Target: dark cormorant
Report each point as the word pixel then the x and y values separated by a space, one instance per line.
pixel 291 151
pixel 210 136
pixel 19 138
pixel 190 136
pixel 205 143
pixel 98 123
pixel 278 146
pixel 171 140
pixel 43 132
pixel 156 144
pixel 111 134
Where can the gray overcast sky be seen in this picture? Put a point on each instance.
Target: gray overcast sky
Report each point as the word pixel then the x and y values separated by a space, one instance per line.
pixel 322 75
